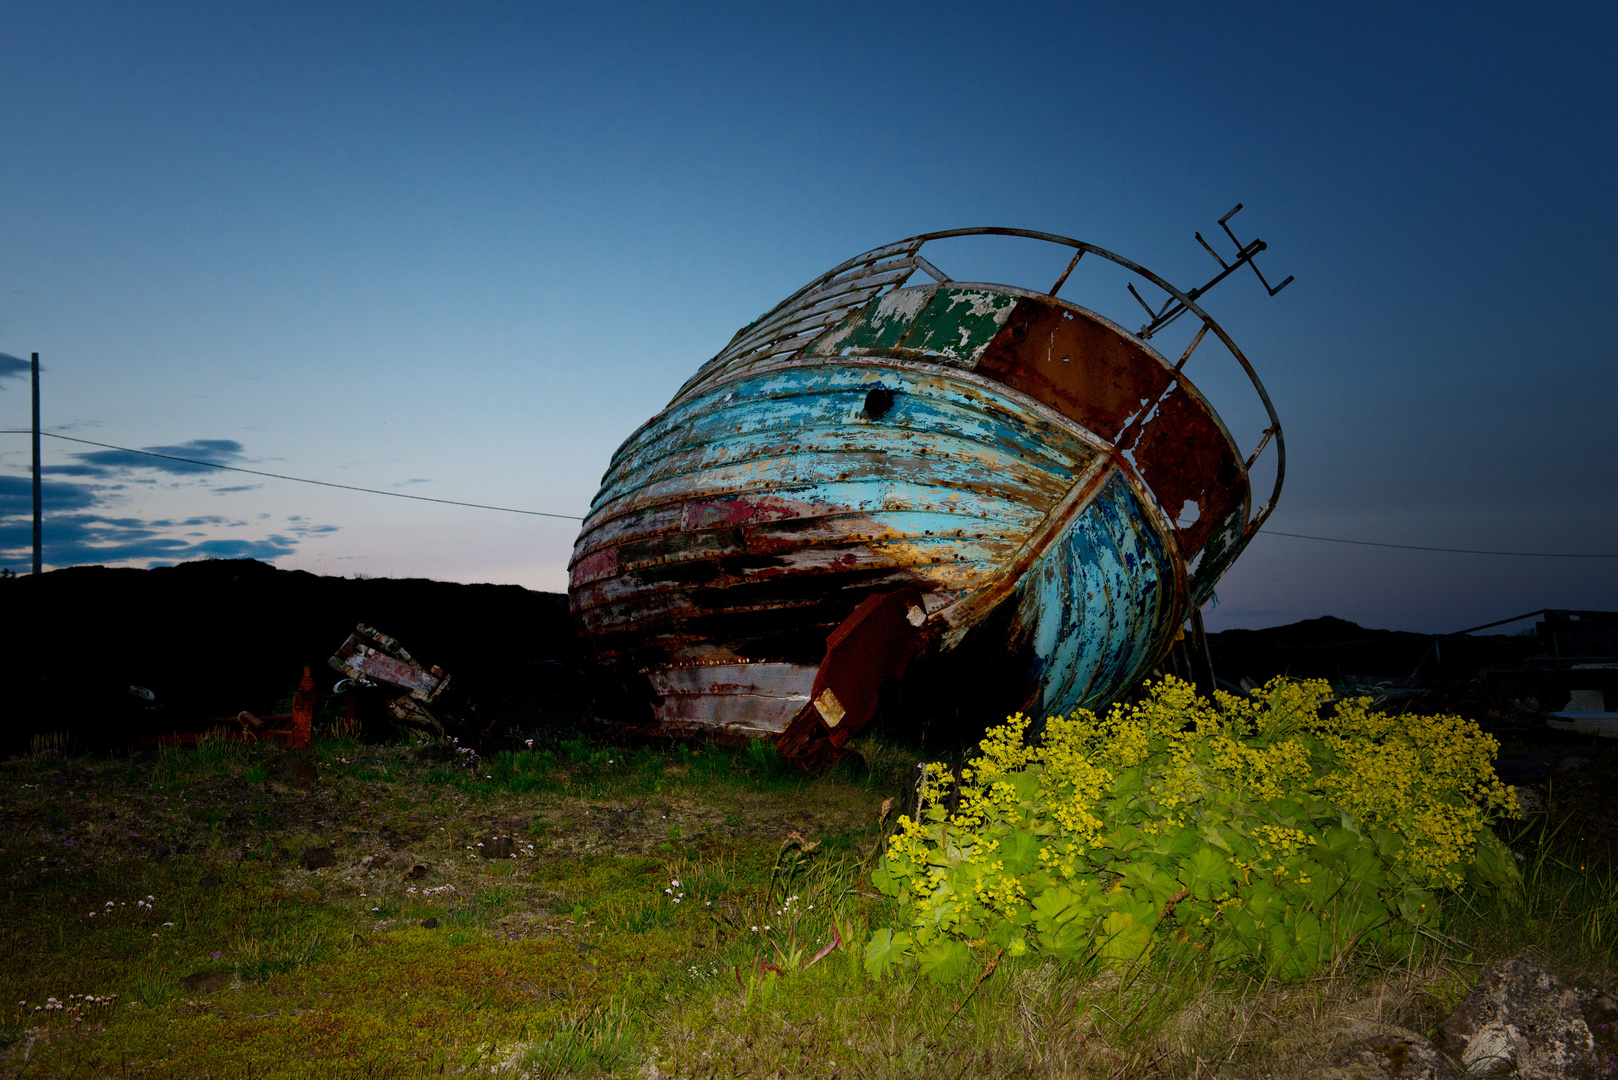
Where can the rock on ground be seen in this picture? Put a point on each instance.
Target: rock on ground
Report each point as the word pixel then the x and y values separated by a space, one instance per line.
pixel 1365 1050
pixel 1522 1021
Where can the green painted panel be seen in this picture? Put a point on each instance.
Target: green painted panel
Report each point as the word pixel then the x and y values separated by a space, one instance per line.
pixel 959 323
pixel 947 321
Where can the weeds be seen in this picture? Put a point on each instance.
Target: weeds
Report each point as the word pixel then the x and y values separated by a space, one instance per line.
pixel 411 955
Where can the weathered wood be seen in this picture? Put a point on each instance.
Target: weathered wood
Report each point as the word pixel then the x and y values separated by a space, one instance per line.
pixel 1032 479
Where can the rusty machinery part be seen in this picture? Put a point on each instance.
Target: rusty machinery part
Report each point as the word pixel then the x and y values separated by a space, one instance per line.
pixel 370 657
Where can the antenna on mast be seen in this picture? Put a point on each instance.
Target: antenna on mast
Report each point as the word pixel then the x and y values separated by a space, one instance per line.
pixel 1172 308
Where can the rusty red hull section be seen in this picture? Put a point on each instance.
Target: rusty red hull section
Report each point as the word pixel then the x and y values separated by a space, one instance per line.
pixel 880 473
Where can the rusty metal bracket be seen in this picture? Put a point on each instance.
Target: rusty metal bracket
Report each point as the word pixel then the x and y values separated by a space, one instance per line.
pixel 1172 308
pixel 875 643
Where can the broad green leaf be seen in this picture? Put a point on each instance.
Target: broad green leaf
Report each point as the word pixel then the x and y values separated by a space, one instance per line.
pixel 1206 873
pixel 1054 906
pixel 1122 937
pixel 884 950
pixel 1020 852
pixel 945 961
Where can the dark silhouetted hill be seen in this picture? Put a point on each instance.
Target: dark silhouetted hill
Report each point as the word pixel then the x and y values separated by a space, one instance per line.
pixel 211 638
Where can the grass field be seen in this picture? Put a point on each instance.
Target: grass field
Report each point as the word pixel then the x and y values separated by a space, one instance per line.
pixel 685 912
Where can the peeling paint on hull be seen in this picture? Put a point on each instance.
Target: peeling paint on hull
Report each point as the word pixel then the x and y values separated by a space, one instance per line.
pixel 1017 466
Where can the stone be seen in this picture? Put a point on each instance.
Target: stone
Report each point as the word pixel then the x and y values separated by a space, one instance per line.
pixel 497 847
pixel 317 857
pixel 205 982
pixel 1363 1050
pixel 294 769
pixel 1522 1021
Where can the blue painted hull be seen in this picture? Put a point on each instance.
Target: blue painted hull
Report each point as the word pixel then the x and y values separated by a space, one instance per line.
pixel 974 485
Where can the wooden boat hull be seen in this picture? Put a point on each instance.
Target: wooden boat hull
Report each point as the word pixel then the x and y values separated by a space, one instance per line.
pixel 948 470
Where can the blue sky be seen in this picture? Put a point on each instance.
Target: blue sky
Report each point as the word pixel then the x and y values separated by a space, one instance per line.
pixel 463 251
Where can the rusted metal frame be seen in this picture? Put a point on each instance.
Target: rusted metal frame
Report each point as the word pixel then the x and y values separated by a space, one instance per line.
pixel 971 608
pixel 932 271
pixel 1054 289
pixel 1259 449
pixel 1260 247
pixel 1191 348
pixel 1186 299
pixel 1163 317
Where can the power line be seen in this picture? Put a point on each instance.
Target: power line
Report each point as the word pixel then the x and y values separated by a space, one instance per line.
pixel 575 517
pixel 1452 551
pixel 295 479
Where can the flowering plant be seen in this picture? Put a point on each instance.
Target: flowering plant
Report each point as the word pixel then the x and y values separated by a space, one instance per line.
pixel 1269 826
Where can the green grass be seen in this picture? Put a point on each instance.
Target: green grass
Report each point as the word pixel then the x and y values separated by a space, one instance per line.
pixel 572 959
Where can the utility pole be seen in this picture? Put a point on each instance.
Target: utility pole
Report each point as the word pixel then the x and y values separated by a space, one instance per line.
pixel 38 515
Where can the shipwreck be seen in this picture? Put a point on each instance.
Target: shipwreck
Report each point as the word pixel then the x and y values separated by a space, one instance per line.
pixel 895 472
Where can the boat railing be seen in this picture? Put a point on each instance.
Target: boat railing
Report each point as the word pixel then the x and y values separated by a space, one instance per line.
pixel 791 326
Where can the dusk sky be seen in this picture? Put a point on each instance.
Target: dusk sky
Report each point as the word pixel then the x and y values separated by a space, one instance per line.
pixel 462 251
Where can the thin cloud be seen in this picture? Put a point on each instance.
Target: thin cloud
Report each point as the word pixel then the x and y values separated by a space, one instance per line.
pixel 12 367
pixel 79 529
pixel 77 539
pixel 101 463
